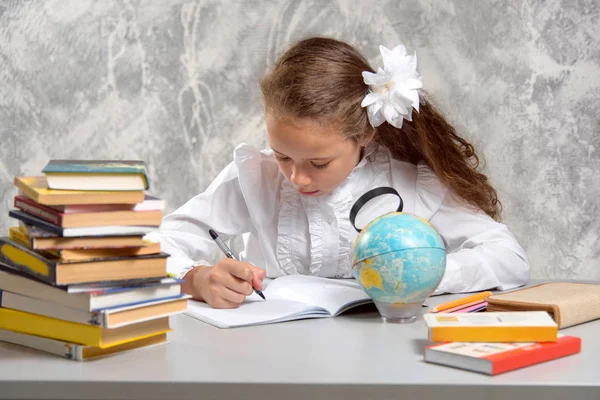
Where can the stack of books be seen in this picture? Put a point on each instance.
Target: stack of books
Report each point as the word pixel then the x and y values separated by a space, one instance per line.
pixel 77 278
pixel 495 342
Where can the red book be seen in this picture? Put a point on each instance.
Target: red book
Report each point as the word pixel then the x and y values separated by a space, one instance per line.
pixel 497 358
pixel 88 219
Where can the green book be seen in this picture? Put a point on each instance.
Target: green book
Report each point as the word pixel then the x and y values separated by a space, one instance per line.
pixel 113 175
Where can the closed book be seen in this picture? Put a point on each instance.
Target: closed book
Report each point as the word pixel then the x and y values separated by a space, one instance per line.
pixel 92 297
pixel 89 219
pixel 67 255
pixel 533 326
pixel 569 303
pixel 96 175
pixel 107 318
pixel 109 230
pixel 53 270
pixel 150 203
pixel 78 352
pixel 36 188
pixel 25 234
pixel 52 328
pixel 497 358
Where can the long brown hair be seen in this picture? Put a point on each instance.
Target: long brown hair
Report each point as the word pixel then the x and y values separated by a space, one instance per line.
pixel 320 78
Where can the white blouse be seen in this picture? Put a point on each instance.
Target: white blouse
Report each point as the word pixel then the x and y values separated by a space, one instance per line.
pixel 285 232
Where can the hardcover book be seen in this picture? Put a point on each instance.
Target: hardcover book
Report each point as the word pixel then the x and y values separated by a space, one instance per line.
pixel 91 297
pixel 497 358
pixel 114 175
pixel 36 188
pixel 109 230
pixel 54 271
pixel 74 351
pixel 532 326
pixel 52 328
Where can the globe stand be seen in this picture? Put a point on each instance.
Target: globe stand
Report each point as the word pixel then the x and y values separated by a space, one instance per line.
pixel 399 313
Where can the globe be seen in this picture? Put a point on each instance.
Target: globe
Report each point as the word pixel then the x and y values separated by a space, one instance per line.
pixel 399 260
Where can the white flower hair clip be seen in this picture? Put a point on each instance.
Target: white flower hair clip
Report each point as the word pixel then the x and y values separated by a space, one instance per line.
pixel 394 90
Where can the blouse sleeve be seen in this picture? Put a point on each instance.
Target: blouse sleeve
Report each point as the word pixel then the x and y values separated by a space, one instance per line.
pixel 481 253
pixel 184 233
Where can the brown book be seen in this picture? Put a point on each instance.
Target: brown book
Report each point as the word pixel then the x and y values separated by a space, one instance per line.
pixel 88 219
pixel 36 188
pixel 568 303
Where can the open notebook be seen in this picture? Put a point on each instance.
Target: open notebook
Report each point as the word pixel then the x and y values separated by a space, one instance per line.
pixel 289 298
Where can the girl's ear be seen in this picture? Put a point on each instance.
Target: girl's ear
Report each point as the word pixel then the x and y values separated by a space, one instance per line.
pixel 367 139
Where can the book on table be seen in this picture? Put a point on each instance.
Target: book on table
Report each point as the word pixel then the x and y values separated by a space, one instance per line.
pixel 569 303
pixel 73 332
pixel 75 351
pixel 529 326
pixel 497 358
pixel 289 298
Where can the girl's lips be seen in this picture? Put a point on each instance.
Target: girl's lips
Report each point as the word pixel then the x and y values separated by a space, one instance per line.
pixel 308 193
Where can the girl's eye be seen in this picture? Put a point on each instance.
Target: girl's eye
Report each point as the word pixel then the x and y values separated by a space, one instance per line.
pixel 281 158
pixel 320 166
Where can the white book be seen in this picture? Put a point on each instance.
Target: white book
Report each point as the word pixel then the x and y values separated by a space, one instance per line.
pixel 115 317
pixel 112 230
pixel 73 351
pixel 91 297
pixel 288 298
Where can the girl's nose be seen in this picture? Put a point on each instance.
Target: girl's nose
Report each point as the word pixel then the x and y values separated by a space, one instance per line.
pixel 299 178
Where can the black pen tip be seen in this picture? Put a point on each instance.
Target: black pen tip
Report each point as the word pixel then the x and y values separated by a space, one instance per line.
pixel 213 234
pixel 260 294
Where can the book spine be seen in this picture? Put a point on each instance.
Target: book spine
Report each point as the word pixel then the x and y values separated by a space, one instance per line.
pixel 27 261
pixel 40 307
pixel 51 346
pixel 51 328
pixel 33 208
pixel 534 354
pixel 12 281
pixel 18 235
pixel 25 189
pixel 494 334
pixel 35 221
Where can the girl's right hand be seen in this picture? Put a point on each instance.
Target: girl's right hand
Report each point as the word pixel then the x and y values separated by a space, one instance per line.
pixel 224 285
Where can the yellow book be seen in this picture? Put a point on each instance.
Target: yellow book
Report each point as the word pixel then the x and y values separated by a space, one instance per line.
pixel 74 351
pixel 74 332
pixel 36 188
pixel 20 234
pixel 528 326
pixel 56 271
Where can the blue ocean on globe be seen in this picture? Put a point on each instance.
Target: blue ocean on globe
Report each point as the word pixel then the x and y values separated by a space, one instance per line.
pixel 399 258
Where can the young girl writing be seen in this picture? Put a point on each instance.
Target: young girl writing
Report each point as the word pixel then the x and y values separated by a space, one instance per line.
pixel 337 129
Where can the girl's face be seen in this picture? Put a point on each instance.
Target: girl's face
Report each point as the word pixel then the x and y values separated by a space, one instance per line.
pixel 314 157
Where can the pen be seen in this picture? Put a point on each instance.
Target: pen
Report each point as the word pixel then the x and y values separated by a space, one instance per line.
pixel 229 254
pixel 459 302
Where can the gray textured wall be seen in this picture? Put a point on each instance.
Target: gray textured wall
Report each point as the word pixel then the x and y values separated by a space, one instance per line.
pixel 176 83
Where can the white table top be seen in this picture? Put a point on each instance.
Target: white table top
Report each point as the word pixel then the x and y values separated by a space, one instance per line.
pixel 355 355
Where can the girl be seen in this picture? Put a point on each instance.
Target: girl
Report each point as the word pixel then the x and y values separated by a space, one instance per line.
pixel 336 130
